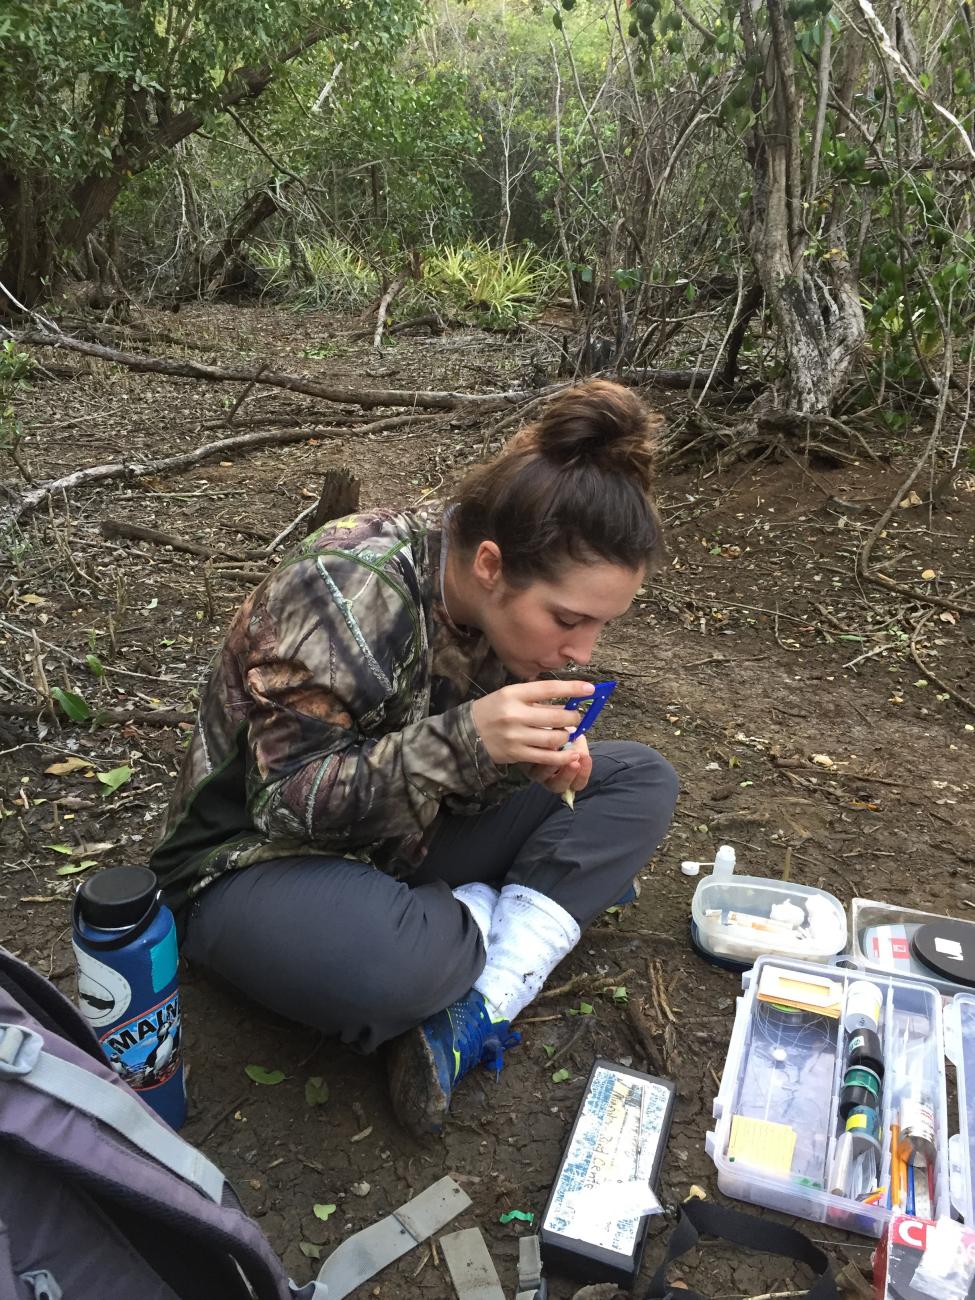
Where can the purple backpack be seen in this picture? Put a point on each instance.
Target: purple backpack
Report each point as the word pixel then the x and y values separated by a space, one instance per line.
pixel 100 1199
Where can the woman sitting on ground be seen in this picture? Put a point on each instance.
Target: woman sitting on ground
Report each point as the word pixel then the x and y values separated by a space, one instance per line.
pixel 367 834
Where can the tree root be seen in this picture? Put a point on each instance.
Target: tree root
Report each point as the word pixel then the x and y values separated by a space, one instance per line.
pixel 766 433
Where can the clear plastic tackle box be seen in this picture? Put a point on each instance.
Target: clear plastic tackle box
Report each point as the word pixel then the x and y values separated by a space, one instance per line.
pixel 784 1075
pixel 880 936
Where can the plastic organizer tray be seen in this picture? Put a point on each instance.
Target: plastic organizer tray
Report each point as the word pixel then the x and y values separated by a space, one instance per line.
pixel 787 1068
pixel 867 917
pixel 718 900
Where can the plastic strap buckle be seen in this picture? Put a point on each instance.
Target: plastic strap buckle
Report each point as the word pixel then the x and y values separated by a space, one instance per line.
pixel 531 1285
pixel 20 1050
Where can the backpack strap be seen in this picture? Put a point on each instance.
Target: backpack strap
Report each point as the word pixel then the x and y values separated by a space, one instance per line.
pixel 470 1265
pixel 23 1059
pixel 531 1285
pixel 697 1217
pixel 359 1257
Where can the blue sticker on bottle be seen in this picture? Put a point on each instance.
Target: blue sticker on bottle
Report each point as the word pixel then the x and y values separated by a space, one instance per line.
pixel 164 956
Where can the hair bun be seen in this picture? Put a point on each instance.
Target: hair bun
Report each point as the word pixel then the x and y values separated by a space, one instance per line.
pixel 600 424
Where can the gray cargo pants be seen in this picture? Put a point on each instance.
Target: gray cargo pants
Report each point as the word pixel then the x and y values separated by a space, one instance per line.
pixel 345 948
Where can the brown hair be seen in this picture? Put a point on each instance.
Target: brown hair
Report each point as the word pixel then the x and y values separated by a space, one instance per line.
pixel 575 485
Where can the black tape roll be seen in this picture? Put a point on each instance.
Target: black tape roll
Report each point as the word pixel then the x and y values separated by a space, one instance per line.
pixel 864 1049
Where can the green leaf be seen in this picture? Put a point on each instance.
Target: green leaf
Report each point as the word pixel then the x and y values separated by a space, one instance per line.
pixel 585 1008
pixel 73 868
pixel 316 1091
pixel 259 1075
pixel 548 1049
pixel 310 1250
pixel 620 994
pixel 323 1211
pixel 113 779
pixel 560 1076
pixel 95 665
pixel 73 705
pixel 60 848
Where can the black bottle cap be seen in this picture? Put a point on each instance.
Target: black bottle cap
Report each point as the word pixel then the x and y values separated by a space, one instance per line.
pixel 117 896
pixel 948 948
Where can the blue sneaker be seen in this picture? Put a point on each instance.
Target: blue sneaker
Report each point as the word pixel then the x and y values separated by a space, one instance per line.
pixel 631 895
pixel 428 1062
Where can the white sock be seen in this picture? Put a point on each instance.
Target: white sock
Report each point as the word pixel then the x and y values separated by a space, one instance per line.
pixel 530 934
pixel 480 900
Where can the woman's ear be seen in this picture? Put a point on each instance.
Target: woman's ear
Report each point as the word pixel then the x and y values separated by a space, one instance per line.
pixel 486 566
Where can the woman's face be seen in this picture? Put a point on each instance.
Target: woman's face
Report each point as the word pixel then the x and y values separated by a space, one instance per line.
pixel 547 624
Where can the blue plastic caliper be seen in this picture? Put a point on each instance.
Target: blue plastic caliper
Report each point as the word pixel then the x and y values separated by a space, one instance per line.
pixel 592 706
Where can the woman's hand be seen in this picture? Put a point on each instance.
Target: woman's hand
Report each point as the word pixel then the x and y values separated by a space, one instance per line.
pixel 570 777
pixel 518 725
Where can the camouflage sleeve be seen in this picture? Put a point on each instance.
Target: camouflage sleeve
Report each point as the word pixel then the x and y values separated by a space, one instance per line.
pixel 330 662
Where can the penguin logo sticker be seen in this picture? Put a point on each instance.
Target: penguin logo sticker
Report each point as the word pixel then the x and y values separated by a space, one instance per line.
pixel 103 994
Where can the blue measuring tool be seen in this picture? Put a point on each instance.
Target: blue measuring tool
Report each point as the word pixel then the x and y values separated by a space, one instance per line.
pixel 592 706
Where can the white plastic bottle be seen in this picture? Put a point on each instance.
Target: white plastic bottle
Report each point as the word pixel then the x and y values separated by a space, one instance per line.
pixel 724 862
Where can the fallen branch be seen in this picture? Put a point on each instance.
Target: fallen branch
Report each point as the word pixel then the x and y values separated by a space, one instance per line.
pixel 145 717
pixel 244 441
pixel 963 700
pixel 800 765
pixel 432 319
pixel 250 577
pixel 871 573
pixel 136 533
pixel 364 397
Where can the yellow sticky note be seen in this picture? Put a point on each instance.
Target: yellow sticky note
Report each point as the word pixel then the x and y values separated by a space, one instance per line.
pixel 762 1143
pixel 812 993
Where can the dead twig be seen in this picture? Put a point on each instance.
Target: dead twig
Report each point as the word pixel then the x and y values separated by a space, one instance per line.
pixel 583 981
pixel 657 980
pixel 963 700
pixel 644 1036
pixel 199 1139
pixel 871 573
pixel 571 1040
pixel 243 395
pixel 384 302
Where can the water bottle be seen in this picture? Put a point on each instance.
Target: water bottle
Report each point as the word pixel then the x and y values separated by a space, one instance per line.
pixel 724 862
pixel 124 940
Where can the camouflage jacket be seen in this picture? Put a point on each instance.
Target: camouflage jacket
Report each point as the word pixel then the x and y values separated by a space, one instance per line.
pixel 337 715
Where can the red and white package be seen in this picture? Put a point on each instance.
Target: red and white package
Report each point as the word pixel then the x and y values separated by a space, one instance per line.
pixel 921 1260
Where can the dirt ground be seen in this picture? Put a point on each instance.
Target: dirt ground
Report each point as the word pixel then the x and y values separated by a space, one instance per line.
pixel 786 694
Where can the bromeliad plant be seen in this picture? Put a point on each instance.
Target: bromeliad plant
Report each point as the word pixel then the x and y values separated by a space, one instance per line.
pixel 498 286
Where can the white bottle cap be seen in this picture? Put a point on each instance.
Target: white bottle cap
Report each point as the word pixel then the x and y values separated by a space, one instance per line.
pixel 690 868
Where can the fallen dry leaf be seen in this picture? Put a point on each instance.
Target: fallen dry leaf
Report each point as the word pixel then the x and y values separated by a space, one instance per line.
pixel 67 765
pixel 822 760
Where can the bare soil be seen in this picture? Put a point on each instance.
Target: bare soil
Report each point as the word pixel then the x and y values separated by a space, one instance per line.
pixel 786 694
